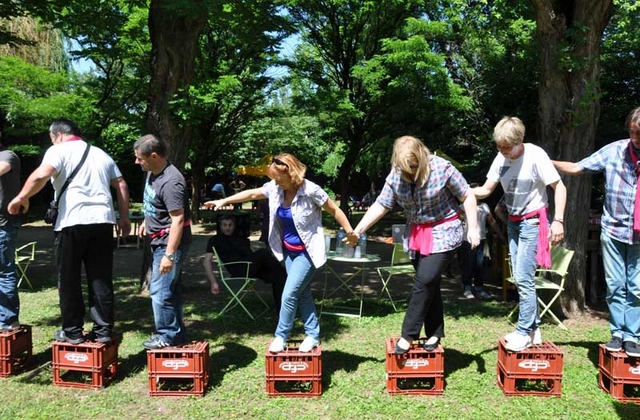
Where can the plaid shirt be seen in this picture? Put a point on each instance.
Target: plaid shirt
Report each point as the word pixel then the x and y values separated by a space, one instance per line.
pixel 621 181
pixel 437 200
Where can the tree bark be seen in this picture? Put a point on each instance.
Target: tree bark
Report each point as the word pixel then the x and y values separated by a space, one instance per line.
pixel 569 35
pixel 174 36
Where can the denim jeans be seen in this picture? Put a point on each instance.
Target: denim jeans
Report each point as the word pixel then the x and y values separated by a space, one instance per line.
pixel 622 273
pixel 523 246
pixel 9 301
pixel 166 297
pixel 297 295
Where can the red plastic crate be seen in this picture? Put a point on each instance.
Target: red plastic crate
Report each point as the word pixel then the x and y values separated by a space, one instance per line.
pixel 416 362
pixel 517 385
pixel 417 371
pixel 623 390
pixel 542 360
pixel 294 374
pixel 85 365
pixel 618 366
pixel 15 350
pixel 179 371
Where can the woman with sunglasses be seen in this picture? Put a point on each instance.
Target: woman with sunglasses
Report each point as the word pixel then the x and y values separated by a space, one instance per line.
pixel 429 189
pixel 295 237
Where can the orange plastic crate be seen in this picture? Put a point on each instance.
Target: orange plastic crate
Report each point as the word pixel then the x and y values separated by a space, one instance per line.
pixel 622 390
pixel 15 350
pixel 85 365
pixel 417 371
pixel 517 385
pixel 179 371
pixel 618 366
pixel 415 362
pixel 294 374
pixel 542 360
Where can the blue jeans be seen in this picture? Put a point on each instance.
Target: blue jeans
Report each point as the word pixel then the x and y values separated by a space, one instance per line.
pixel 622 273
pixel 297 294
pixel 166 297
pixel 523 246
pixel 9 301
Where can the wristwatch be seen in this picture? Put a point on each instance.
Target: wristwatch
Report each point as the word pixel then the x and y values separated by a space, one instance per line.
pixel 170 257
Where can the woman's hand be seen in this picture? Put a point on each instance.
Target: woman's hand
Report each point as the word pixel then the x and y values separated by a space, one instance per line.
pixel 351 239
pixel 215 204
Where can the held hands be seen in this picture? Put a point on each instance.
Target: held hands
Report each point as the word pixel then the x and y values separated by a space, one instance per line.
pixel 351 239
pixel 556 232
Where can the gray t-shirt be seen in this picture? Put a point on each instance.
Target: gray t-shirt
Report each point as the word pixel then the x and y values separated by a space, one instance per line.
pixel 164 193
pixel 9 185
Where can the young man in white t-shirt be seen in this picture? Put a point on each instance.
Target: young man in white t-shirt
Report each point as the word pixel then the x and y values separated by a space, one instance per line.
pixel 525 171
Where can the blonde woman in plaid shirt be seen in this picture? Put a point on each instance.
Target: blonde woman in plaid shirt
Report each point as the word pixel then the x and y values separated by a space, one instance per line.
pixel 430 190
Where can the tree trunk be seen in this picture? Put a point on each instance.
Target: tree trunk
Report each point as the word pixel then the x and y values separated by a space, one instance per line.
pixel 569 94
pixel 174 39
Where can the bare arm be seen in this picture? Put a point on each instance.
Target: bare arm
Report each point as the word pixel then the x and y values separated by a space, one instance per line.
pixel 32 186
pixel 4 167
pixel 557 226
pixel 567 168
pixel 122 194
pixel 471 210
pixel 337 213
pixel 208 269
pixel 485 190
pixel 175 236
pixel 241 197
pixel 375 213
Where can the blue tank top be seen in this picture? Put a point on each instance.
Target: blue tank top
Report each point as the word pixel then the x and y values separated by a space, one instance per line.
pixel 291 239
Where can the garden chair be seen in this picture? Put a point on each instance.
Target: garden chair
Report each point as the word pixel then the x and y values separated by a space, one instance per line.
pixel 24 256
pixel 400 265
pixel 238 287
pixel 560 260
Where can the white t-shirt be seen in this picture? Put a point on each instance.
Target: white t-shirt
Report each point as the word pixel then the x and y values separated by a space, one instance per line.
pixel 87 200
pixel 524 180
pixel 483 212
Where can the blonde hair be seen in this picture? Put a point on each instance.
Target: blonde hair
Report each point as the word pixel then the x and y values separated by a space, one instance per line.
pixel 291 166
pixel 509 130
pixel 407 151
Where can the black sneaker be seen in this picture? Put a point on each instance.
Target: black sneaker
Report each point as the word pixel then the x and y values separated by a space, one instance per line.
pixel 155 342
pixel 61 336
pixel 631 349
pixel 103 339
pixel 615 344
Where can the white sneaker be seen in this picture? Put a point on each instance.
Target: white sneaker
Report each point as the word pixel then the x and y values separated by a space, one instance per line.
pixel 308 344
pixel 468 294
pixel 277 345
pixel 511 336
pixel 536 336
pixel 518 342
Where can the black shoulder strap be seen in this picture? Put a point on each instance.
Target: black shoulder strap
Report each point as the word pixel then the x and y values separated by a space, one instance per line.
pixel 75 171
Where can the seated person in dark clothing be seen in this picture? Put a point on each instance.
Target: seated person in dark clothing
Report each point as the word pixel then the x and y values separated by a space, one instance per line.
pixel 231 248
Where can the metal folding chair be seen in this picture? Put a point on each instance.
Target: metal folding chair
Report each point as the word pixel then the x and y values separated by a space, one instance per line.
pixel 560 260
pixel 238 287
pixel 400 265
pixel 24 256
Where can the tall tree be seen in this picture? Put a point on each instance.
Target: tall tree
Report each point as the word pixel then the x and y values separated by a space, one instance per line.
pixel 569 34
pixel 174 28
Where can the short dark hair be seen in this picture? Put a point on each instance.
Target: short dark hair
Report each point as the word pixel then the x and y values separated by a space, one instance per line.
pixel 65 126
pixel 150 144
pixel 228 217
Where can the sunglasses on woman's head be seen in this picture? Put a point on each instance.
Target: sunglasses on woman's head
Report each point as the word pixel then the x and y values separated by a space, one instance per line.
pixel 279 162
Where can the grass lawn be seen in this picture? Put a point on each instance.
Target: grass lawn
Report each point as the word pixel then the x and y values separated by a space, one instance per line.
pixel 353 368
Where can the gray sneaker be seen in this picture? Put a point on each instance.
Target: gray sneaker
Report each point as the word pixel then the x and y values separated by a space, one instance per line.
pixel 615 344
pixel 631 349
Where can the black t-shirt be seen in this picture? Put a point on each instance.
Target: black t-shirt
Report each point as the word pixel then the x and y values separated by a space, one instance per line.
pixel 9 185
pixel 230 248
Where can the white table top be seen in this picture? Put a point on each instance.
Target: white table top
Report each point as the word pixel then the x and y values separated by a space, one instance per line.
pixel 332 256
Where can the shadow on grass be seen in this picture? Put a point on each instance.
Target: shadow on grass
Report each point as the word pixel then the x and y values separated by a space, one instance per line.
pixel 456 360
pixel 232 357
pixel 593 349
pixel 333 361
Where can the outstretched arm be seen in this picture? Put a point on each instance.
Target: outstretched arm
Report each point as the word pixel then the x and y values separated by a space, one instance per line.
pixel 568 168
pixel 375 213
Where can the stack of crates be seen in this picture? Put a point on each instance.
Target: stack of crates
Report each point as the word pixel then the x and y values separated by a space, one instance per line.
pixel 534 371
pixel 291 373
pixel 85 365
pixel 418 371
pixel 179 371
pixel 619 375
pixel 15 350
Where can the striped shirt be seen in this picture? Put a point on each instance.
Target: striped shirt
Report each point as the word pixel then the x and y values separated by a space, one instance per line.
pixel 621 182
pixel 437 200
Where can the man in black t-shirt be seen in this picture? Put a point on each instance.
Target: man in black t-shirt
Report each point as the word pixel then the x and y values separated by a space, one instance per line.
pixel 231 248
